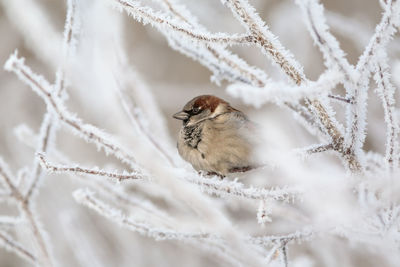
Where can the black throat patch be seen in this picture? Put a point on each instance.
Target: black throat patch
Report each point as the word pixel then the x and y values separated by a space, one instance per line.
pixel 192 135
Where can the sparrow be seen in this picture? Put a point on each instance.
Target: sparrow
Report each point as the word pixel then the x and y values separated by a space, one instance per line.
pixel 215 137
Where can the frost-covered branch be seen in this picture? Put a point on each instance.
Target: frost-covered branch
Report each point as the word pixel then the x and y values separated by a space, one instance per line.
pixel 326 42
pixel 87 198
pixel 283 93
pixel 9 244
pixel 51 167
pixel 317 149
pixel 218 187
pixel 386 91
pixel 268 42
pixel 134 115
pixel 157 19
pixel 43 248
pixel 357 113
pixel 222 62
pixel 299 236
pixel 88 132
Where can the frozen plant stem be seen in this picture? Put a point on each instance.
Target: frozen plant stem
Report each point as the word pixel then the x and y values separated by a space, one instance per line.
pixel 54 104
pixel 385 91
pixel 7 241
pixel 80 170
pixel 357 113
pixel 47 131
pixel 240 70
pixel 26 210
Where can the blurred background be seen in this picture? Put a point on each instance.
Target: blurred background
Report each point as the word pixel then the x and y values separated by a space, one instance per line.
pixel 35 28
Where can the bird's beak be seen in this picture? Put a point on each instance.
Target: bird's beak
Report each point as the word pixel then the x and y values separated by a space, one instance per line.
pixel 181 115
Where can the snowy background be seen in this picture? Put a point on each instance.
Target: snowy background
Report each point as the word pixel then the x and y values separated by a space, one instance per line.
pixel 127 79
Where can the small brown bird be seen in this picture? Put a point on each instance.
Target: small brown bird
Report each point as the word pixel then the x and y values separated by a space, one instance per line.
pixel 215 137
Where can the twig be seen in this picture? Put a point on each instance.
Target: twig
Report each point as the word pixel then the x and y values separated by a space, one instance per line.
pixel 148 15
pixel 326 42
pixel 385 91
pixel 11 245
pixel 137 121
pixel 298 236
pixel 44 258
pixel 284 256
pixel 341 98
pixel 7 221
pixel 265 39
pixel 220 187
pixel 51 167
pixel 226 63
pixel 357 112
pixel 87 132
pixel 47 131
pixel 88 199
pixel 318 148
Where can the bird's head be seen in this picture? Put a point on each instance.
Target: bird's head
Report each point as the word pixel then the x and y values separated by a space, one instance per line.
pixel 202 108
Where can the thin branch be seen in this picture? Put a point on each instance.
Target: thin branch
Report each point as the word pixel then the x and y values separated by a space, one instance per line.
pixel 298 236
pixel 279 92
pixel 8 221
pixel 218 187
pixel 341 99
pixel 38 234
pixel 88 199
pixel 318 148
pixel 47 131
pixel 88 132
pixel 284 256
pixel 10 245
pixel 45 137
pixel 383 33
pixel 138 122
pixel 51 167
pixel 220 60
pixel 148 15
pixel 265 39
pixel 326 42
pixel 386 91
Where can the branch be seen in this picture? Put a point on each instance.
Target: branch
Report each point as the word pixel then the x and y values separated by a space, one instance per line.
pixel 341 99
pixel 326 42
pixel 278 92
pixel 88 132
pixel 37 233
pixel 88 199
pixel 163 22
pixel 47 129
pixel 218 187
pixel 12 246
pixel 298 236
pixel 386 91
pixel 218 59
pixel 134 117
pixel 318 149
pixel 266 40
pixel 51 167
pixel 8 221
pixel 383 34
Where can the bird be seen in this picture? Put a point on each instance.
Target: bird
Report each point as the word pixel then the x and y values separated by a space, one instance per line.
pixel 215 138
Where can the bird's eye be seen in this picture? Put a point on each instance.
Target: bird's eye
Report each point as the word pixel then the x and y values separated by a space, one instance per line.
pixel 195 110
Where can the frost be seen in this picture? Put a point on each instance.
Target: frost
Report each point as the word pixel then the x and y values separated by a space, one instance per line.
pixel 281 92
pixel 320 192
